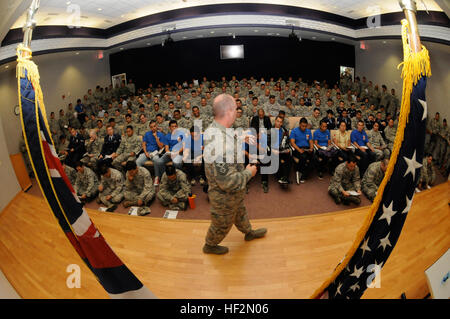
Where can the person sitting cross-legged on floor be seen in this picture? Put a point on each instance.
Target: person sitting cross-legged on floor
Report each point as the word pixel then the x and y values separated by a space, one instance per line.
pixel 111 187
pixel 346 178
pixel 139 189
pixel 174 189
pixel 86 183
pixel 427 174
pixel 372 178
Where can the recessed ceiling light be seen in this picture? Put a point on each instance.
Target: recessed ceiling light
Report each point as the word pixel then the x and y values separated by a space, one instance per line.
pixel 99 9
pixel 184 37
pixel 333 39
pixel 78 53
pixel 68 2
pixel 384 42
pixel 212 32
pixel 122 16
pixel 255 30
pixel 278 34
pixel 7 67
pixel 121 48
pixel 148 43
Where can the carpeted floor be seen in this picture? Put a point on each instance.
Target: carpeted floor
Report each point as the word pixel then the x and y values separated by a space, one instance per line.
pixel 298 200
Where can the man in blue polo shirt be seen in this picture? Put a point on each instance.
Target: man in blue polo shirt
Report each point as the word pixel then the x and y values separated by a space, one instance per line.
pixel 363 149
pixel 152 143
pixel 322 139
pixel 174 145
pixel 81 111
pixel 301 141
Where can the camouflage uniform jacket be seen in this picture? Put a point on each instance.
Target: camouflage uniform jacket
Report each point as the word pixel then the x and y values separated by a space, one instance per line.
pixel 141 184
pixel 344 179
pixel 114 184
pixel 178 188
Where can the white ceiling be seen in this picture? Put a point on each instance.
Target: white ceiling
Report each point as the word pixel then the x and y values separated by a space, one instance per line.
pixel 107 13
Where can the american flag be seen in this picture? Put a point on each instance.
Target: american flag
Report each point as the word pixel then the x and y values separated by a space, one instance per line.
pixel 113 275
pixel 382 235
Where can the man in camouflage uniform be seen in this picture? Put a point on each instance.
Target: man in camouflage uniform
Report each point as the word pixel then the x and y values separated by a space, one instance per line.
pixel 110 188
pixel 377 141
pixel 70 172
pixel 227 181
pixel 372 178
pixel 241 120
pixel 433 129
pixel 174 189
pixel 54 128
pixel 346 178
pixel 315 119
pixel 129 147
pixel 427 173
pixel 389 134
pixel 139 188
pixel 86 183
pixel 93 149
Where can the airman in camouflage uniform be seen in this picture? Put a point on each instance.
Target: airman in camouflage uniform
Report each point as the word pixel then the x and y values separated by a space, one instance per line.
pixel 427 173
pixel 86 183
pixel 71 173
pixel 377 141
pixel 227 181
pixel 389 134
pixel 372 178
pixel 346 178
pixel 129 147
pixel 93 149
pixel 139 188
pixel 241 120
pixel 111 188
pixel 174 189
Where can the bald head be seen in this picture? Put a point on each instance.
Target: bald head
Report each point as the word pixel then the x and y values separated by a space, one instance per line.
pixel 224 108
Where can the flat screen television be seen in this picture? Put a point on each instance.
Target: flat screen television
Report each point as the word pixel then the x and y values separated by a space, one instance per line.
pixel 231 52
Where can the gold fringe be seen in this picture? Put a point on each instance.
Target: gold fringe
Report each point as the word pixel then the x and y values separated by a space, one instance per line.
pixel 415 66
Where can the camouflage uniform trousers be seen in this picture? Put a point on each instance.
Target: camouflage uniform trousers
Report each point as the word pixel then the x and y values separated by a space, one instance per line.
pixel 117 162
pixel 180 205
pixel 90 162
pixel 224 213
pixel 133 197
pixel 114 200
pixel 337 194
pixel 384 153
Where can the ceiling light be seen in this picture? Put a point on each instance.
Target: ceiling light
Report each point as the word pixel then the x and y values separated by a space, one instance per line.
pixel 314 38
pixel 333 39
pixel 255 31
pixel 68 3
pixel 148 43
pixel 121 48
pixel 7 67
pixel 269 33
pixel 212 32
pixel 78 53
pixel 184 37
pixel 278 34
pixel 99 9
pixel 384 42
pixel 234 36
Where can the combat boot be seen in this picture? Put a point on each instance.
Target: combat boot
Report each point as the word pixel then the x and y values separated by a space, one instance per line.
pixel 258 233
pixel 354 199
pixel 217 249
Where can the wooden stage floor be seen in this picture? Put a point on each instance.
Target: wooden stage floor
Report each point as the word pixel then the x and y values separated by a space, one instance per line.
pixel 296 256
